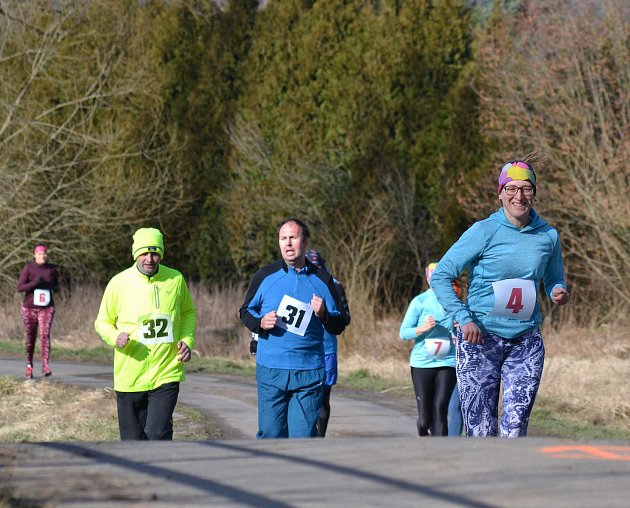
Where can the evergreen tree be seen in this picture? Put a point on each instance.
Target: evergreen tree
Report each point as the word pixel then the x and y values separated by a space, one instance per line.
pixel 196 53
pixel 372 95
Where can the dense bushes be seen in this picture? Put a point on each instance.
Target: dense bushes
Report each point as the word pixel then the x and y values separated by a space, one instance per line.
pixel 374 121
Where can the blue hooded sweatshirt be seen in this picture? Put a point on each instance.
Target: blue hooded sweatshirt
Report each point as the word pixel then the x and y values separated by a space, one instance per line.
pixel 506 266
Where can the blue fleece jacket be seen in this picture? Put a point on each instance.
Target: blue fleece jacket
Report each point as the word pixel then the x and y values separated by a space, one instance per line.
pixel 423 352
pixel 282 348
pixel 498 255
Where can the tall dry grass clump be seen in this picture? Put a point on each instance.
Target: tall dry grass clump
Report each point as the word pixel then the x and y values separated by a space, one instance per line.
pixel 586 376
pixel 75 311
pixel 52 412
pixel 219 330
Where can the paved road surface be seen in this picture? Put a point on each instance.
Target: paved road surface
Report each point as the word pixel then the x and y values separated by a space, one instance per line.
pixel 373 459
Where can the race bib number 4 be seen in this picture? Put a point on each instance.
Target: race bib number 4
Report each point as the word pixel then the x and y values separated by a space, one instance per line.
pixel 514 298
pixel 437 349
pixel 41 297
pixel 155 329
pixel 294 315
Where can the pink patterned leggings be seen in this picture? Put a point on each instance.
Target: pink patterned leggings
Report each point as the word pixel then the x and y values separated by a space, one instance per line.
pixel 42 317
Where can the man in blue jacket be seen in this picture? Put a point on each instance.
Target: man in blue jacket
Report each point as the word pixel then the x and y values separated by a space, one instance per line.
pixel 289 303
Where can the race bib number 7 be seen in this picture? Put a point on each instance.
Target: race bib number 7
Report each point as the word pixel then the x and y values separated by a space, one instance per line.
pixel 294 315
pixel 514 298
pixel 437 348
pixel 41 297
pixel 155 329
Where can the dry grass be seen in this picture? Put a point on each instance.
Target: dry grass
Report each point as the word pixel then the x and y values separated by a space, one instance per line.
pixel 586 379
pixel 219 329
pixel 586 376
pixel 43 411
pixel 75 311
pixel 596 391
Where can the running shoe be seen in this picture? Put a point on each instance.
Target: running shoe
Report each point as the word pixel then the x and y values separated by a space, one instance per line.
pixel 46 371
pixel 28 374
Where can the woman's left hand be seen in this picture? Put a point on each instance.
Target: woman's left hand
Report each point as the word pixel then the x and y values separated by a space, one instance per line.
pixel 560 296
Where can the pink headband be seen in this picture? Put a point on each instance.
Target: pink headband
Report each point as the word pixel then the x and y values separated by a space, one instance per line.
pixel 40 248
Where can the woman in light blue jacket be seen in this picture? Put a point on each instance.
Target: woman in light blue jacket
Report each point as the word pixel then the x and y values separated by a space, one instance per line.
pixel 507 256
pixel 432 358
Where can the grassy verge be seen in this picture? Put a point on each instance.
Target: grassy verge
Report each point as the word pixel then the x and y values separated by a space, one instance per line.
pixel 46 412
pixel 217 365
pixel 547 422
pixel 548 418
pixel 101 354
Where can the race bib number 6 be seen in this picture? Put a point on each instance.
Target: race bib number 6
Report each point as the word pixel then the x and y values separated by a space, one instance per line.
pixel 294 315
pixel 41 297
pixel 514 298
pixel 155 329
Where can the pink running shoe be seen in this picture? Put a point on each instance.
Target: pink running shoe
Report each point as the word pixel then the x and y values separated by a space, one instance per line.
pixel 46 371
pixel 28 374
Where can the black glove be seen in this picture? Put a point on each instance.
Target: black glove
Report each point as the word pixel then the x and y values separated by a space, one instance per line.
pixel 253 344
pixel 39 281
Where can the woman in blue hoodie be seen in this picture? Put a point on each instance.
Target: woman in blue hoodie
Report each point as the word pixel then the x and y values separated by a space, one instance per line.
pixel 507 256
pixel 432 358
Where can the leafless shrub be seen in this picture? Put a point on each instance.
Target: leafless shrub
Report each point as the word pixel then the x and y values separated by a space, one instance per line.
pixel 557 79
pixel 358 235
pixel 76 170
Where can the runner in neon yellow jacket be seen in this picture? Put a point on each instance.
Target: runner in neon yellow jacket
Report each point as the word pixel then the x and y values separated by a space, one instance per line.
pixel 157 312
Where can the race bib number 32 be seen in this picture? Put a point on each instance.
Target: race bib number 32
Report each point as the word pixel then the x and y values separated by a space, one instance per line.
pixel 514 298
pixel 155 329
pixel 294 315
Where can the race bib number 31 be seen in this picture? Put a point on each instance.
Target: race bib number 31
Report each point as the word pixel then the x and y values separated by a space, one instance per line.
pixel 155 329
pixel 514 298
pixel 294 315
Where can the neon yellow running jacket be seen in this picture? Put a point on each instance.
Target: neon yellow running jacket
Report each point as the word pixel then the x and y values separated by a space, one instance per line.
pixel 157 312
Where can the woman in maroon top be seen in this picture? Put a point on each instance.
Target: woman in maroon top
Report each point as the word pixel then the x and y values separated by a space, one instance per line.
pixel 38 280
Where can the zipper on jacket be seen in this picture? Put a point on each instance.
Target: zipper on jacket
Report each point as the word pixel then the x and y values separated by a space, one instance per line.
pixel 156 294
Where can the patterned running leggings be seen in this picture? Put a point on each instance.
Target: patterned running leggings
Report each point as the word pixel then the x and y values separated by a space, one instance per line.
pixel 34 318
pixel 516 364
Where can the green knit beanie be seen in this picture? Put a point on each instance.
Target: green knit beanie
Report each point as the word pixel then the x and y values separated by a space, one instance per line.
pixel 147 240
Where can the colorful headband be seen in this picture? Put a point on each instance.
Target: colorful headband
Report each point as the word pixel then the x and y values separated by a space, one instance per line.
pixel 516 170
pixel 40 248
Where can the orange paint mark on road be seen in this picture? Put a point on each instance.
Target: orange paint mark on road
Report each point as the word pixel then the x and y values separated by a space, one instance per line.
pixel 588 452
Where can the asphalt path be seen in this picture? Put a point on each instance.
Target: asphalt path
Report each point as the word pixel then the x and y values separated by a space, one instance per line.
pixel 372 457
